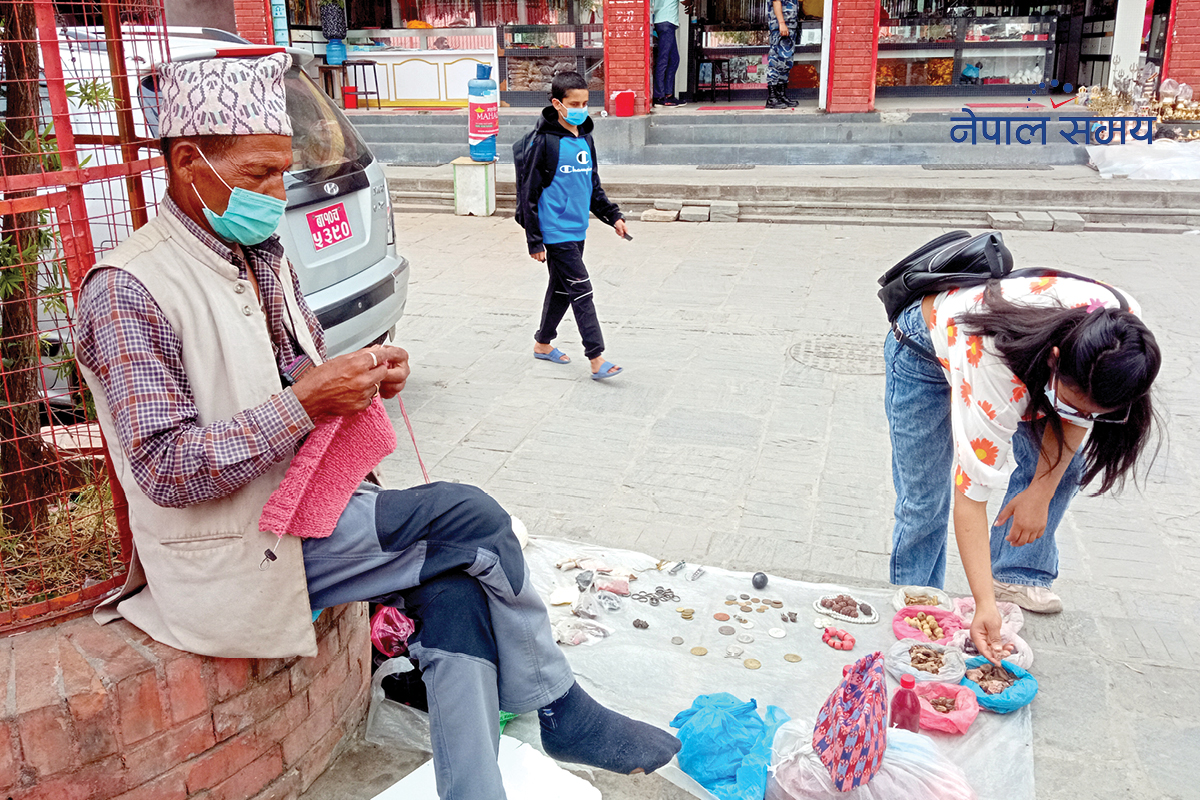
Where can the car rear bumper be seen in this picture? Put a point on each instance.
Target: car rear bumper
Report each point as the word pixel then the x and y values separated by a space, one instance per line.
pixel 360 309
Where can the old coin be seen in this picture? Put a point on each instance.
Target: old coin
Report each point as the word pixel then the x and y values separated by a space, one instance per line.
pixel 745 608
pixel 720 616
pixel 744 596
pixel 733 651
pixel 777 603
pixel 689 611
pixel 754 600
pixel 752 663
pixel 680 609
pixel 777 633
pixel 792 657
pixel 761 609
pixel 699 651
pixel 745 638
pixel 676 640
pixel 731 597
pixel 747 624
pixel 726 630
pixel 731 602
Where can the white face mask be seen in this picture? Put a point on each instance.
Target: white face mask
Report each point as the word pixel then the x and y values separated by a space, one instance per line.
pixel 1076 417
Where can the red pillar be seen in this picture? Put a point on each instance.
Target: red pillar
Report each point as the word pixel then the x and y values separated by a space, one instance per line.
pixel 627 51
pixel 253 20
pixel 1183 44
pixel 854 48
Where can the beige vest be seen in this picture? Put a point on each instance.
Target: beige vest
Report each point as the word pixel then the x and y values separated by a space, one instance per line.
pixel 194 582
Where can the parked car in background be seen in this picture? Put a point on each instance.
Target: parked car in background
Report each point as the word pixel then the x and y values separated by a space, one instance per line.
pixel 337 232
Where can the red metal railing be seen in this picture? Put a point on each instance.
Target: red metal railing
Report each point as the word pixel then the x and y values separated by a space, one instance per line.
pixel 78 173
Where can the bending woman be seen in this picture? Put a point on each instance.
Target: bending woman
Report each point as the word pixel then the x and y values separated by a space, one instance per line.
pixel 1048 370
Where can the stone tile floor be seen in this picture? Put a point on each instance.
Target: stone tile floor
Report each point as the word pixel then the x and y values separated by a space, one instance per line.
pixel 748 432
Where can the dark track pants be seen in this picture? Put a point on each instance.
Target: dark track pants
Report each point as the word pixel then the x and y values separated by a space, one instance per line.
pixel 446 553
pixel 570 287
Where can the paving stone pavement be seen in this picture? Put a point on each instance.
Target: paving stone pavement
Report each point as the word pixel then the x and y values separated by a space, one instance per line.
pixel 747 431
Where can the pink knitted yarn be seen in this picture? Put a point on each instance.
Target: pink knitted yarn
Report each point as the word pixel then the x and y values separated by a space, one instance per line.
pixel 329 467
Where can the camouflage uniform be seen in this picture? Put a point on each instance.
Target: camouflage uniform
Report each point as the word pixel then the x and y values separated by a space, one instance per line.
pixel 779 62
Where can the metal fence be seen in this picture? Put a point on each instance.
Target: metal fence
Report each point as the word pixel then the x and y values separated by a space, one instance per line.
pixel 78 173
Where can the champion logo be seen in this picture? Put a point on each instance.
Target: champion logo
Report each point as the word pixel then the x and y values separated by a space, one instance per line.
pixel 567 169
pixel 582 157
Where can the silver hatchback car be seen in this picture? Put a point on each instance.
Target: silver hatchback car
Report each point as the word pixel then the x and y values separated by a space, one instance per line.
pixel 337 231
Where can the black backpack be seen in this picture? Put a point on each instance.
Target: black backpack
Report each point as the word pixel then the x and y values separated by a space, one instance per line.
pixel 953 259
pixel 522 150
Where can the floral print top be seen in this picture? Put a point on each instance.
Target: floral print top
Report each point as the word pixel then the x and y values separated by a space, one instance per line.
pixel 987 399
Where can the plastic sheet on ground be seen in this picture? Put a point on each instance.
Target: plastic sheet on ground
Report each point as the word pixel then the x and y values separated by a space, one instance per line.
pixel 640 673
pixel 1165 160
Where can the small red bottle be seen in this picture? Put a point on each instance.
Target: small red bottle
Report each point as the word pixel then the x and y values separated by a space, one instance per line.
pixel 906 708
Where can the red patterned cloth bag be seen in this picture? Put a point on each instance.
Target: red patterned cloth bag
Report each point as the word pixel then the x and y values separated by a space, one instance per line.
pixel 851 731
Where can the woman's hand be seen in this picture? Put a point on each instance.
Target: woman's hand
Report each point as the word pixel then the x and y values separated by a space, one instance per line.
pixel 1028 511
pixel 985 633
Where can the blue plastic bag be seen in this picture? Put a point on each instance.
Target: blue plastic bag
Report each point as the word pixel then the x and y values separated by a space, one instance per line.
pixel 1018 695
pixel 726 745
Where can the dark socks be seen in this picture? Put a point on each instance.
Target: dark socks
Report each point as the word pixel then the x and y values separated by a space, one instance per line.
pixel 577 729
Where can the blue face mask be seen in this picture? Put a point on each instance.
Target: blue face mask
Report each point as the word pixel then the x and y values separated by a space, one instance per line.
pixel 576 116
pixel 250 218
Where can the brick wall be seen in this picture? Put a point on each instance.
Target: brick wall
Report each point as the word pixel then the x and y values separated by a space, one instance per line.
pixel 627 51
pixel 95 713
pixel 253 20
pixel 853 53
pixel 1183 62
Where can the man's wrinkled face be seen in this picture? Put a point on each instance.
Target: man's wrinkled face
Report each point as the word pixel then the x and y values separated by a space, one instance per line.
pixel 255 163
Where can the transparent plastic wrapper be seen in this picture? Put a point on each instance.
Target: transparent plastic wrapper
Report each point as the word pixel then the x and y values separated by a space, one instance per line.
pixel 1010 613
pixel 899 662
pixel 726 745
pixel 395 724
pixel 390 630
pixel 958 721
pixel 579 631
pixel 913 767
pixel 1018 695
pixel 943 599
pixel 1021 655
pixel 947 620
pixel 1165 160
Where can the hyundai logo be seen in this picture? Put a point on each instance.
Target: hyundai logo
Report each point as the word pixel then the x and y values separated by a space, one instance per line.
pixel 330 188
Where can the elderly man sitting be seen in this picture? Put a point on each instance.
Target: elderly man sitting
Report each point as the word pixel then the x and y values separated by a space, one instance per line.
pixel 208 370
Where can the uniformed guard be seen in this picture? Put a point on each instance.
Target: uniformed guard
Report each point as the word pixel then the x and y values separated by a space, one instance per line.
pixel 783 25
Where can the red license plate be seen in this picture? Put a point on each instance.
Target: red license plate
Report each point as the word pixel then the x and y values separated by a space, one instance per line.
pixel 328 226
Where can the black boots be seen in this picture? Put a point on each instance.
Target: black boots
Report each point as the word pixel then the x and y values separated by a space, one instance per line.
pixel 777 96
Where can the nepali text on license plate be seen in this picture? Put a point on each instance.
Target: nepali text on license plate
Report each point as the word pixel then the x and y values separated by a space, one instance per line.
pixel 328 226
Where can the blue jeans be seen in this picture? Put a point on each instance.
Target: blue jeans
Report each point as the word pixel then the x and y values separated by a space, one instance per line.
pixel 667 62
pixel 917 403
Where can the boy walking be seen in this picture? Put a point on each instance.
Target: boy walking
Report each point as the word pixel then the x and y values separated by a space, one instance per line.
pixel 556 196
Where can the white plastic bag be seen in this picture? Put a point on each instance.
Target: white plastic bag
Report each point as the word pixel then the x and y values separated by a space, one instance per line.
pixel 898 662
pixel 943 599
pixel 395 724
pixel 1011 614
pixel 913 767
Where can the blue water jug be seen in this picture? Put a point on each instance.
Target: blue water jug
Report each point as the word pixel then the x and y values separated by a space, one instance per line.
pixel 335 51
pixel 483 114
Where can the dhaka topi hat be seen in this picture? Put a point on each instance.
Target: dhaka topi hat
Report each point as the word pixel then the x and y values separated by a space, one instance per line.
pixel 224 96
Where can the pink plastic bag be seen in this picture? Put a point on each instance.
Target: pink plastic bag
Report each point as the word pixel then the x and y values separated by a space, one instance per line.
pixel 957 721
pixel 390 630
pixel 947 620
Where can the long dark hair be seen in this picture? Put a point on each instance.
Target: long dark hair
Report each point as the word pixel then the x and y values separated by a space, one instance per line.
pixel 1108 354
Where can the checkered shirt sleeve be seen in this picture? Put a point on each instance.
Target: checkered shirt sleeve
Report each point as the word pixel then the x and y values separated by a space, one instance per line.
pixel 126 341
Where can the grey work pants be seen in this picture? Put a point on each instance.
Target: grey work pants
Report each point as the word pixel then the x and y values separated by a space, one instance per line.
pixel 412 548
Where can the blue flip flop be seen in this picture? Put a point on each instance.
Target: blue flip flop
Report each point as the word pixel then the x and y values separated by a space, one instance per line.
pixel 554 355
pixel 603 372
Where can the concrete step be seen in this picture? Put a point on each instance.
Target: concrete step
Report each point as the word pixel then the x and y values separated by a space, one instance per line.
pixel 1118 197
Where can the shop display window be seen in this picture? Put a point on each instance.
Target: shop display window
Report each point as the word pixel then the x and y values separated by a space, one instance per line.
pixel 914 71
pixel 1008 30
pixel 991 68
pixel 916 34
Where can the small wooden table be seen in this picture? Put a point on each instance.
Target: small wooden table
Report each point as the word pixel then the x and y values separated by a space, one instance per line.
pixel 333 80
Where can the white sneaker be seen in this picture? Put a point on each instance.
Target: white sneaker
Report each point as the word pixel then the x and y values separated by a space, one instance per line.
pixel 1031 598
